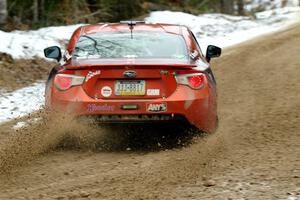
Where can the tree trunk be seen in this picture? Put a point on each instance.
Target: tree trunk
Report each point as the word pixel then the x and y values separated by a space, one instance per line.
pixel 35 11
pixel 284 3
pixel 3 11
pixel 227 6
pixel 42 10
pixel 240 4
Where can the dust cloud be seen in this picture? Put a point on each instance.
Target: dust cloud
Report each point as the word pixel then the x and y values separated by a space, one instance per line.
pixel 23 145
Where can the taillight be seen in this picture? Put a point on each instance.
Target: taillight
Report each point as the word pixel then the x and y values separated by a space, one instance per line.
pixel 66 81
pixel 194 81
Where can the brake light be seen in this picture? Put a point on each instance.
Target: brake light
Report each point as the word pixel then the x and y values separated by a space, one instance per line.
pixel 194 81
pixel 66 81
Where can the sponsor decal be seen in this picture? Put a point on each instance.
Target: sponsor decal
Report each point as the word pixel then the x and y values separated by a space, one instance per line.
pixel 92 74
pixel 153 92
pixel 157 107
pixel 106 91
pixel 95 107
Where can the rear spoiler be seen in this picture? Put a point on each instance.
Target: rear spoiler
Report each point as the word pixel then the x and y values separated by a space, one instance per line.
pixel 118 63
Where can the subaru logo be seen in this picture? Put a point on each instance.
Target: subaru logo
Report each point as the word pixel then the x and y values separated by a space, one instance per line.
pixel 129 74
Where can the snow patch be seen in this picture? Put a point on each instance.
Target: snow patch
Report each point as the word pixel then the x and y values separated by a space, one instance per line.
pixel 255 5
pixel 226 30
pixel 26 123
pixel 21 102
pixel 28 44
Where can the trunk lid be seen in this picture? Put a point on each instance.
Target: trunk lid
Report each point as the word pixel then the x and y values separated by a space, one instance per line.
pixel 117 80
pixel 133 83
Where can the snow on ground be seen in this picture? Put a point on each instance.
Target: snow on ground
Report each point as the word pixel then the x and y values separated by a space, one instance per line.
pixel 21 102
pixel 217 29
pixel 226 30
pixel 26 123
pixel 28 44
pixel 255 5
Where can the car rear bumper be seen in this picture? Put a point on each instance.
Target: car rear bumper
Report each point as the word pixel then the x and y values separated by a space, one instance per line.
pixel 198 107
pixel 136 118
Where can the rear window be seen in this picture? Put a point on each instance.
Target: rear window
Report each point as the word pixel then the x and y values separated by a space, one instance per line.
pixel 123 45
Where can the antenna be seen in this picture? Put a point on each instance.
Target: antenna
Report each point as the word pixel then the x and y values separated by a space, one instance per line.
pixel 131 25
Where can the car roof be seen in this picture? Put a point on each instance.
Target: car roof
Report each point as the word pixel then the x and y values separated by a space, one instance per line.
pixel 119 27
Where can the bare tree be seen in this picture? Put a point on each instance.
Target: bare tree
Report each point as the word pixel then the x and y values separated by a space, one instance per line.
pixel 42 10
pixel 227 6
pixel 240 4
pixel 35 11
pixel 3 11
pixel 284 3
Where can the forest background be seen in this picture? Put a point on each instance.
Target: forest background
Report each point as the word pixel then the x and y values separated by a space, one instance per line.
pixel 33 14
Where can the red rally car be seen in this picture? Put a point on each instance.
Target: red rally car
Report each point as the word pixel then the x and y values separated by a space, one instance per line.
pixel 134 72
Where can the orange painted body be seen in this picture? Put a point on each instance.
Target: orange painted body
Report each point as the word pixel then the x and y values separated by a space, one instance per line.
pixel 197 106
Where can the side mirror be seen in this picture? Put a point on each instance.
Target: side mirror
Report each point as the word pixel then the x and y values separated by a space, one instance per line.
pixel 53 52
pixel 213 52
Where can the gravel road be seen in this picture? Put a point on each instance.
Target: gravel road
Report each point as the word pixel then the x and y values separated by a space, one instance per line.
pixel 255 153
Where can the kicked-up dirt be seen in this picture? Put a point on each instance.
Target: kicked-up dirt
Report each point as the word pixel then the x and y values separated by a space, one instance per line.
pixel 255 153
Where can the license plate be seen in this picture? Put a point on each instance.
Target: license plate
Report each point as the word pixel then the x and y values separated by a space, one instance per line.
pixel 124 88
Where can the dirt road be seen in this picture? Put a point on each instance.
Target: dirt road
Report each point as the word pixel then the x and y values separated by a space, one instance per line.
pixel 255 153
